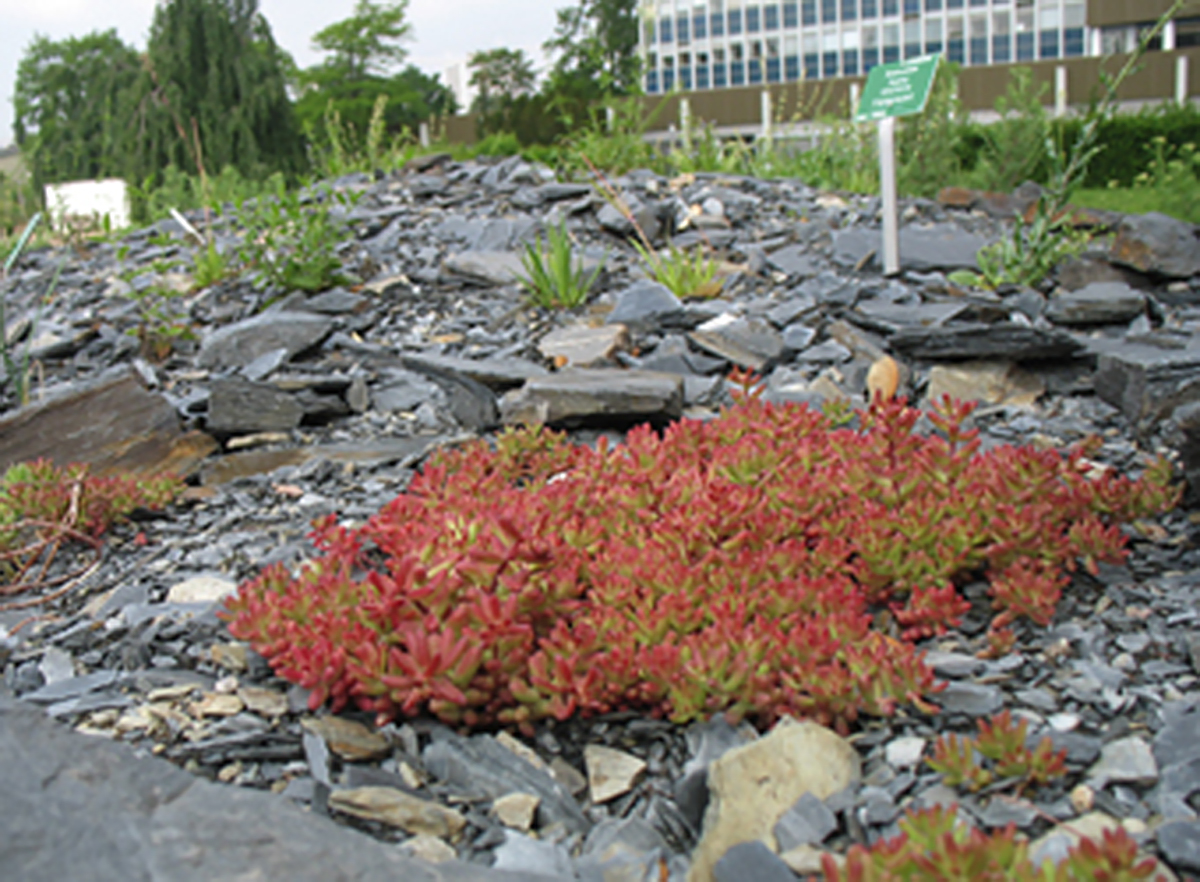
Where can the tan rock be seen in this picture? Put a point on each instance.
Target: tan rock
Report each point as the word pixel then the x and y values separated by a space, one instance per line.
pixel 989 382
pixel 516 810
pixel 348 739
pixel 390 806
pixel 1083 798
pixel 611 773
pixel 215 704
pixel 428 848
pixel 1054 844
pixel 520 749
pixel 804 860
pixel 584 346
pixel 750 787
pixel 264 702
pixel 230 656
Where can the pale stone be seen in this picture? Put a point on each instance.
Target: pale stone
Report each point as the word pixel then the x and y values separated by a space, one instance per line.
pixel 390 806
pixel 516 810
pixel 904 753
pixel 214 704
pixel 610 772
pixel 1056 844
pixel 201 589
pixel 804 860
pixel 750 787
pixel 230 656
pixel 350 740
pixel 428 848
pixel 520 749
pixel 264 702
pixel 1083 798
pixel 989 382
pixel 584 346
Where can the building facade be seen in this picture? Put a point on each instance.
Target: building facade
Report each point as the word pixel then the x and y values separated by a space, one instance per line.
pixel 696 45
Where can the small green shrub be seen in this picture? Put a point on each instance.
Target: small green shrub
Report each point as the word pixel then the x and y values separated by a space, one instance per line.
pixel 553 278
pixel 209 266
pixel 687 274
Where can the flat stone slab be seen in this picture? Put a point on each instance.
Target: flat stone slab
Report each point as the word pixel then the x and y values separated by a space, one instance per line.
pixel 405 451
pixel 112 423
pixel 978 340
pixel 495 373
pixel 1159 244
pixel 1096 304
pixel 486 267
pixel 583 345
pixel 1145 382
pixel 938 246
pixel 236 345
pixel 575 395
pixel 90 810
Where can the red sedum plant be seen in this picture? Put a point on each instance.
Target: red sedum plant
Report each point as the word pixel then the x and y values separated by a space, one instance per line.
pixel 934 847
pixel 733 565
pixel 1002 743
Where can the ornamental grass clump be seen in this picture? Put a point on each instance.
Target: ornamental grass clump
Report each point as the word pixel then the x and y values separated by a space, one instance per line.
pixel 764 563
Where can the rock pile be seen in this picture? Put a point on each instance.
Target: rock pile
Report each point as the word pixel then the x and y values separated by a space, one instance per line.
pixel 290 406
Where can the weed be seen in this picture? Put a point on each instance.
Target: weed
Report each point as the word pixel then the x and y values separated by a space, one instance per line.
pixel 686 274
pixel 209 265
pixel 342 150
pixel 162 321
pixel 553 278
pixel 1014 147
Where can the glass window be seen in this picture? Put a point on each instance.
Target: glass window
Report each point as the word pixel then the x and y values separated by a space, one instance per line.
pixel 912 38
pixel 771 17
pixel 849 10
pixel 891 7
pixel 791 68
pixel 829 52
pixel 891 43
pixel 955 39
pixel 979 2
pixel 870 8
pixel 1075 15
pixel 735 22
pixel 1001 37
pixel 791 15
pixel 1187 32
pixel 812 66
pixel 753 19
pixel 1072 42
pixel 1049 44
pixel 716 23
pixel 954 4
pixel 828 11
pixel 1049 18
pixel 979 41
pixel 808 12
pixel 685 77
pixel 933 35
pixel 719 70
pixel 652 82
pixel 1024 33
pixel 666 32
pixel 912 7
pixel 774 67
pixel 870 51
pixel 681 30
pixel 933 5
pixel 700 26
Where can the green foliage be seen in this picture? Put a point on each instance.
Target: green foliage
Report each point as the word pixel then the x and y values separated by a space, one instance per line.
pixel 341 150
pixel 927 144
pixel 292 240
pixel 727 565
pixel 212 93
pixel 934 847
pixel 69 103
pixel 595 43
pixel 185 192
pixel 617 147
pixel 368 41
pixel 1127 141
pixel 1013 149
pixel 16 370
pixel 1001 745
pixel 209 265
pixel 1028 254
pixel 687 274
pixel 499 77
pixel 1174 178
pixel 553 278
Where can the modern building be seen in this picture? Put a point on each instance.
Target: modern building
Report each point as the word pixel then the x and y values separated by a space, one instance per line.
pixel 697 45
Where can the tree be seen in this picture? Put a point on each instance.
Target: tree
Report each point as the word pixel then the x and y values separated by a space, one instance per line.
pixel 367 42
pixel 67 104
pixel 213 90
pixel 499 77
pixel 596 42
pixel 412 97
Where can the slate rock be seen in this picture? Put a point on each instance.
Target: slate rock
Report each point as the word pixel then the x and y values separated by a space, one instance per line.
pixel 497 373
pixel 1179 843
pixel 481 764
pixel 611 773
pixel 238 344
pixel 404 390
pixel 978 340
pixel 533 858
pixel 1096 304
pixel 1158 244
pixel 972 699
pixel 645 304
pixel 112 423
pixel 922 248
pixel 751 861
pixel 472 404
pixel 579 395
pixel 583 345
pixel 808 822
pixel 888 318
pixel 749 343
pixel 239 406
pixel 387 805
pixel 486 267
pixel 91 810
pixel 794 260
pixel 1127 760
pixel 1147 383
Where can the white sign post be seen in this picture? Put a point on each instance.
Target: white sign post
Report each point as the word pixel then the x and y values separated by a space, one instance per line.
pixel 894 90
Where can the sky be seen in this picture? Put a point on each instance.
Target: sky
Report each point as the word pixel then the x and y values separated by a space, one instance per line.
pixel 445 32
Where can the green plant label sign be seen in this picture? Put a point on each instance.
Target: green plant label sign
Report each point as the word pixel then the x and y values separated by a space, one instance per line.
pixel 897 89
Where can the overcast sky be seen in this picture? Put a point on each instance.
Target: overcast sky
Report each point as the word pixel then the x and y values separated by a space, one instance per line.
pixel 444 31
